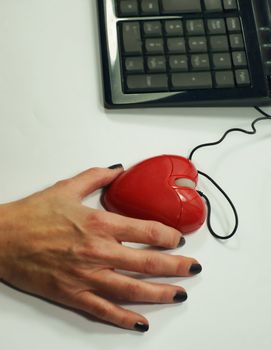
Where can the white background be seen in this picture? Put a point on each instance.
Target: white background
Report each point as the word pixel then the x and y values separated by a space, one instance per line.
pixel 53 125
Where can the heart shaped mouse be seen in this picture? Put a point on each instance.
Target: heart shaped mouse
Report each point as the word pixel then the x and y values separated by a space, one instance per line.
pixel 163 189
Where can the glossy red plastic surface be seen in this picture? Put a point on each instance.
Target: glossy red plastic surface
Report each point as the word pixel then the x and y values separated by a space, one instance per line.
pixel 148 191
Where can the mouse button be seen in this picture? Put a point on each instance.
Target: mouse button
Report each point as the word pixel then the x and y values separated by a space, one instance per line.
pixel 184 182
pixel 184 168
pixel 193 213
pixel 153 168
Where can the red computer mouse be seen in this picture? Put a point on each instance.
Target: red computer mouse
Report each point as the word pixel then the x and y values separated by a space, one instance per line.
pixel 163 189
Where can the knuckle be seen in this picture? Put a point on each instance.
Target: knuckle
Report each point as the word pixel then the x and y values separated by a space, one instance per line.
pixel 86 251
pixel 97 220
pixel 96 170
pixel 102 311
pixel 96 252
pixel 78 272
pixel 153 232
pixel 92 252
pixel 151 264
pixel 63 183
pixel 57 288
pixel 132 291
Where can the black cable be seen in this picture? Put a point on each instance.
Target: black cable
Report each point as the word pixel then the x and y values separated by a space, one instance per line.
pixel 209 209
pixel 249 132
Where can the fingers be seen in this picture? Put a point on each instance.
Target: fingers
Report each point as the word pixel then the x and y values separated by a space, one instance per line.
pixel 90 180
pixel 109 312
pixel 117 286
pixel 143 261
pixel 126 229
pixel 147 232
pixel 152 263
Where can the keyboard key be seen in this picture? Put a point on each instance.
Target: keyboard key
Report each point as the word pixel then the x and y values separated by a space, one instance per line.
pixel 236 41
pixel 176 45
pixel 183 6
pixel 233 24
pixel 154 45
pixel 149 7
pixel 200 62
pixel 230 4
pixel 156 63
pixel 131 38
pixel 197 44
pixel 152 28
pixel 178 63
pixel 201 46
pixel 216 26
pixel 195 27
pixel 134 65
pixel 213 5
pixel 242 77
pixel 187 81
pixel 173 27
pixel 221 61
pixel 224 79
pixel 239 58
pixel 148 82
pixel 128 8
pixel 219 43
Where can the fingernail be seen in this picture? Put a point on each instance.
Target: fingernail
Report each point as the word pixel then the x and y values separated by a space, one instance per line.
pixel 182 242
pixel 195 269
pixel 141 327
pixel 115 166
pixel 180 297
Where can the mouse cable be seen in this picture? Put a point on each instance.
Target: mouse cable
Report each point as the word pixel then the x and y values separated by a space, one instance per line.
pixel 249 132
pixel 213 233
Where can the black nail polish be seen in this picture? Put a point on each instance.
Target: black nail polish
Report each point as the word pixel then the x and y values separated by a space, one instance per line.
pixel 141 327
pixel 182 242
pixel 180 297
pixel 195 269
pixel 115 166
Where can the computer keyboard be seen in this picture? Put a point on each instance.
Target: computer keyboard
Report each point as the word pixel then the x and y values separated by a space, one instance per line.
pixel 185 52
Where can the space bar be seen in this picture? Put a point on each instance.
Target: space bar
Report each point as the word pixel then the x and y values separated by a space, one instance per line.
pixel 181 6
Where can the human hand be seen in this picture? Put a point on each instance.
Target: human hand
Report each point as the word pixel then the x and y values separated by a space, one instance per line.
pixel 54 247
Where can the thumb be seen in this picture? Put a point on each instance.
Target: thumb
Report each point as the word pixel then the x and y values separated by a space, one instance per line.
pixel 92 179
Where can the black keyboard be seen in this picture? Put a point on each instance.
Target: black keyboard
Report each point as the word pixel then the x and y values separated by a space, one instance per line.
pixel 185 52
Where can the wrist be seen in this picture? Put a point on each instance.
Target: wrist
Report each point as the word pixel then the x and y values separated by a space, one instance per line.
pixel 5 222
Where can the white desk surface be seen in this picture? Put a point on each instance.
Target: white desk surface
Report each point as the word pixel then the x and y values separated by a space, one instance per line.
pixel 53 125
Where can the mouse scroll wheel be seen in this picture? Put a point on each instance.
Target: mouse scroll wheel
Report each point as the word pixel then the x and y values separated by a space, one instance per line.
pixel 185 183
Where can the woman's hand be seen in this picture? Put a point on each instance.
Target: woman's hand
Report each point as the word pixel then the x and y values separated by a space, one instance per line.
pixel 53 246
